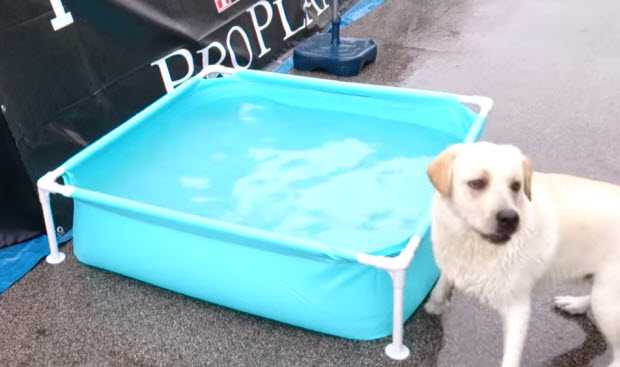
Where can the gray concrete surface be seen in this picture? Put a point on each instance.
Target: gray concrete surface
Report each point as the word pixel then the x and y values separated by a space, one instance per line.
pixel 553 69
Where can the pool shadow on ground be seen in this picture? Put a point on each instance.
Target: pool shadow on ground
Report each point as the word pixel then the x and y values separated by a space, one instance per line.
pixel 424 335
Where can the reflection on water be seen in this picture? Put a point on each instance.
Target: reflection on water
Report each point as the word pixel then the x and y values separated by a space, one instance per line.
pixel 200 183
pixel 338 193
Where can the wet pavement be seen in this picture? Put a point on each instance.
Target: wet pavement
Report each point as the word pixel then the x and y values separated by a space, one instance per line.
pixel 553 69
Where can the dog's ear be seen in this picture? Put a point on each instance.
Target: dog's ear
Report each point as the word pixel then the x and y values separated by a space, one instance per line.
pixel 440 172
pixel 527 178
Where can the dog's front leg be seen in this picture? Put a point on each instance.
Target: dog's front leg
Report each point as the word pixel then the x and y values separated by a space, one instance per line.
pixel 439 299
pixel 516 317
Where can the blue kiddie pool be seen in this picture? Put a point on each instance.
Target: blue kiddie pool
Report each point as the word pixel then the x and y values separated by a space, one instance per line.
pixel 296 199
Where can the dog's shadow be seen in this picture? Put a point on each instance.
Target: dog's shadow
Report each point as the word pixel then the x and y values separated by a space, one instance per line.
pixel 425 335
pixel 593 346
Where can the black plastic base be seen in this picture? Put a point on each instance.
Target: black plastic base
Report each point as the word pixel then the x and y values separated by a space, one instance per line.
pixel 344 59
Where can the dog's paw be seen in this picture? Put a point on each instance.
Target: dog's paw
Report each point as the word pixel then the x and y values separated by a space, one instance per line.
pixel 436 308
pixel 572 305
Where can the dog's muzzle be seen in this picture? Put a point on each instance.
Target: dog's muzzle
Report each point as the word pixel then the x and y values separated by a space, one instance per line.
pixel 507 224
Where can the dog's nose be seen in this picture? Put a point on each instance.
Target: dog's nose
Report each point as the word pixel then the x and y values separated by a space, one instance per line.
pixel 507 220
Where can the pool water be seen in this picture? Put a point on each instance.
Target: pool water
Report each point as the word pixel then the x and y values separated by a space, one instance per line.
pixel 347 174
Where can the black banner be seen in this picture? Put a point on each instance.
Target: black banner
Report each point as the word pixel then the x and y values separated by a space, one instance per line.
pixel 72 70
pixel 20 216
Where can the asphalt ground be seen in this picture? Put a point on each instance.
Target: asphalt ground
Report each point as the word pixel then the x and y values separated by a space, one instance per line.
pixel 553 70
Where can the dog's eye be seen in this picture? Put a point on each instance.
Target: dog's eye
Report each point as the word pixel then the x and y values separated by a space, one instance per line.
pixel 516 186
pixel 478 184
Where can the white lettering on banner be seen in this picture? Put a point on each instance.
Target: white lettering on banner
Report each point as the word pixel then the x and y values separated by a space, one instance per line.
pixel 209 53
pixel 206 52
pixel 63 18
pixel 258 28
pixel 162 63
pixel 233 57
pixel 286 26
pixel 318 9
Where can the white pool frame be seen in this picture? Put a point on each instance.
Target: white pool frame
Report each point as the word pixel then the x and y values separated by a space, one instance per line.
pixel 395 266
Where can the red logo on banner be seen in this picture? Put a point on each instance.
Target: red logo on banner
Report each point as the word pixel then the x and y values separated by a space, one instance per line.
pixel 222 5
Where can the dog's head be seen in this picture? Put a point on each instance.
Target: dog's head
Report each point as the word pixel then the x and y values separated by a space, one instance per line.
pixel 487 185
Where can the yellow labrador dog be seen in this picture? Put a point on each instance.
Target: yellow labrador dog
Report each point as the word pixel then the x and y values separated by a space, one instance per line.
pixel 499 229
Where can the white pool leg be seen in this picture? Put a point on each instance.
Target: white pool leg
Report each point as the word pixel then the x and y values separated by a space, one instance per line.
pixel 397 268
pixel 397 350
pixel 55 256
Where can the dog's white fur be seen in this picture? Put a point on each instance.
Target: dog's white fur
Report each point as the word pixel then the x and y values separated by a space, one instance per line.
pixel 569 228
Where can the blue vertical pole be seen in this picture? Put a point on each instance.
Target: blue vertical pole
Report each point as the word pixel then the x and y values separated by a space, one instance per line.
pixel 335 23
